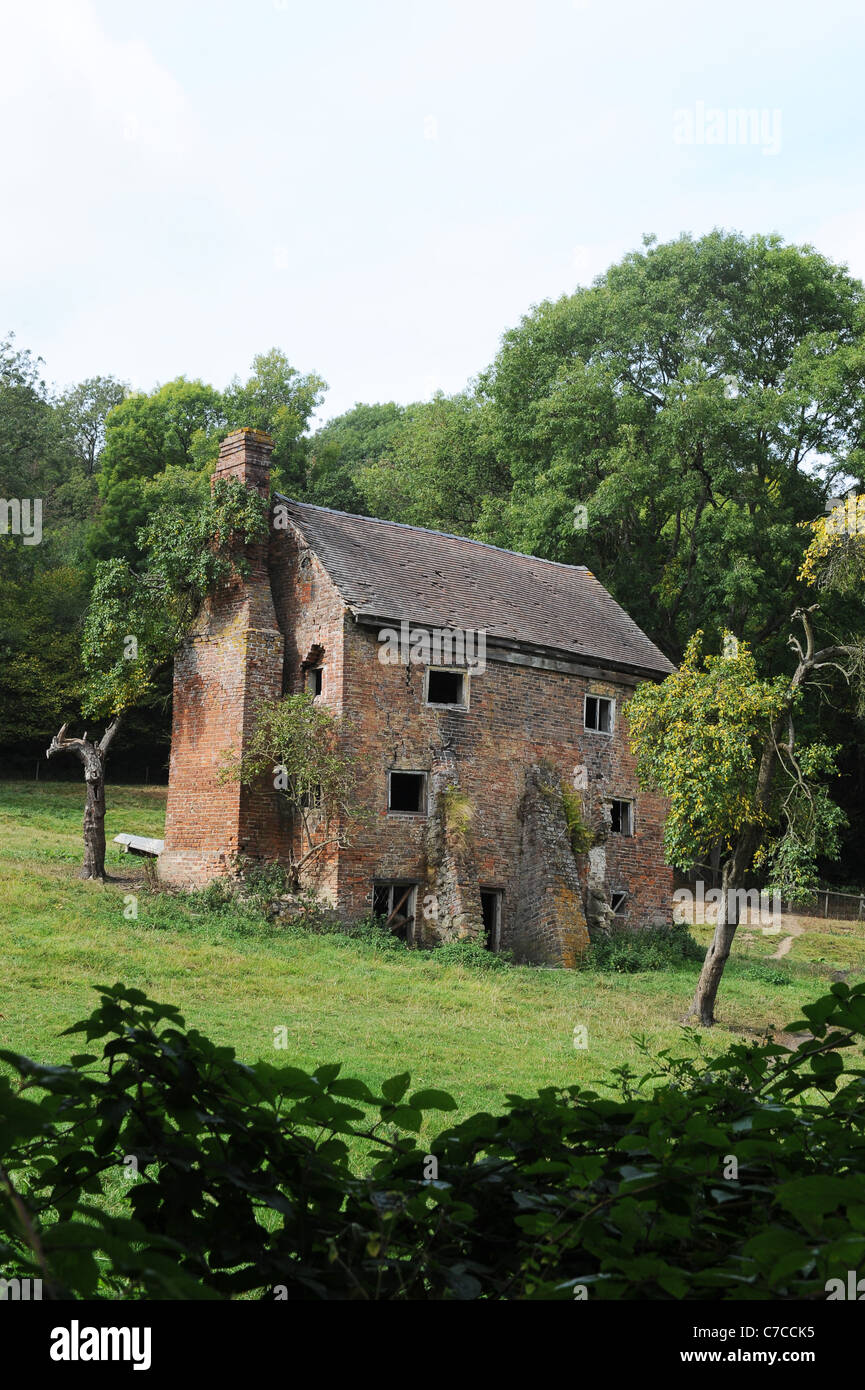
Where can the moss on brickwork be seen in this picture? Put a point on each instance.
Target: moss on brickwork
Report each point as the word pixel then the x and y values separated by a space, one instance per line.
pixel 579 832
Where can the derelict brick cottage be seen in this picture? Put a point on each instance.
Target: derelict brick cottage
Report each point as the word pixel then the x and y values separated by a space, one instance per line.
pixel 524 667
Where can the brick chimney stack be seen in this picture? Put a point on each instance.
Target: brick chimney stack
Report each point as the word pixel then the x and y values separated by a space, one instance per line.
pixel 229 662
pixel 245 455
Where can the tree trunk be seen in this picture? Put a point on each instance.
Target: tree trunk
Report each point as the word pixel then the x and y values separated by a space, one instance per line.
pixel 92 755
pixel 94 829
pixel 703 1004
pixel 732 881
pixel 737 866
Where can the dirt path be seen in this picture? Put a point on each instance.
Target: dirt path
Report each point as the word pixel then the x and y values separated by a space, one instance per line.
pixel 785 945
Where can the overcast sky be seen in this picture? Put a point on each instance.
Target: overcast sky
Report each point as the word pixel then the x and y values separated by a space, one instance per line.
pixel 382 188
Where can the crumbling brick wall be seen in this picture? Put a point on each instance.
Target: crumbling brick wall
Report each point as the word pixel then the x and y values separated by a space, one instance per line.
pixel 311 616
pixel 549 922
pixel 452 908
pixel 519 717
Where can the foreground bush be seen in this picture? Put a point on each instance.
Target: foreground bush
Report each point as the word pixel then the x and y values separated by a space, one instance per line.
pixel 737 1177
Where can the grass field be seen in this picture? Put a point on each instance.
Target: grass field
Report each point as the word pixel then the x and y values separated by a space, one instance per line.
pixel 478 1034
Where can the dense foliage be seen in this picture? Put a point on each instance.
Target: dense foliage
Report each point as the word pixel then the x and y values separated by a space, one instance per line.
pixel 737 1176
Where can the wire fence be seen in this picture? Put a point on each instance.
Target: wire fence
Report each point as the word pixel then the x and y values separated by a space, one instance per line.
pixel 826 902
pixel 846 907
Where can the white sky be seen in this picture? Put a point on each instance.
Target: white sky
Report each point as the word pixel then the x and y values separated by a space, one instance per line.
pixel 382 188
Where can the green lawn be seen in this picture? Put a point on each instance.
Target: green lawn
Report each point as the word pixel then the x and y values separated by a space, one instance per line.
pixel 478 1034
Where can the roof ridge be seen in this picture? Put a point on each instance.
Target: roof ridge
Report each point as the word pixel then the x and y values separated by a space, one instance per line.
pixel 430 531
pixel 369 570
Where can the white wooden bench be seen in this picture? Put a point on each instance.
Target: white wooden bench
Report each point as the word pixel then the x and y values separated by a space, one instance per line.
pixel 140 844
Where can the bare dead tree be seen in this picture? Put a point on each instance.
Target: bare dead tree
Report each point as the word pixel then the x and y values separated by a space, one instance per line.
pixel 92 755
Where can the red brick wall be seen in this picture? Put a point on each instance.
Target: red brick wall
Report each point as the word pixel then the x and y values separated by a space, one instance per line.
pixel 231 660
pixel 311 616
pixel 518 717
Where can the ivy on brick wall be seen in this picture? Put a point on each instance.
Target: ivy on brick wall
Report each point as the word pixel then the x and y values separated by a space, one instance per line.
pixel 138 615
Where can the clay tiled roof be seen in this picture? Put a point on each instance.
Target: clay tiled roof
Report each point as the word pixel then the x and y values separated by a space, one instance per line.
pixel 390 571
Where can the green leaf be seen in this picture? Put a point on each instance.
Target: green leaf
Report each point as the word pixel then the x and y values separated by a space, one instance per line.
pixel 815 1196
pixel 396 1086
pixel 432 1100
pixel 405 1117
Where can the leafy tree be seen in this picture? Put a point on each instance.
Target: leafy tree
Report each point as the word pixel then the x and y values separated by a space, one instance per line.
pixel 41 671
pixel 301 746
pixel 144 436
pixel 148 433
pixel 29 461
pixel 279 399
pixel 121 516
pixel 83 411
pixel 179 427
pixel 719 741
pixel 835 558
pixel 41 454
pixel 138 617
pixel 701 400
pixel 343 447
pixel 96 503
pixel 439 468
pixel 43 586
pixel 835 563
